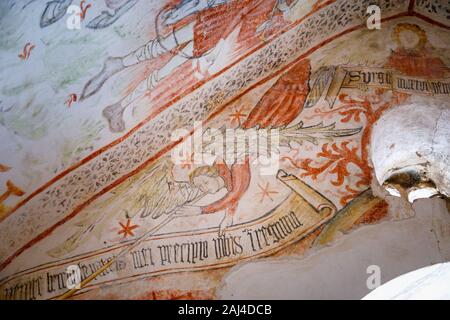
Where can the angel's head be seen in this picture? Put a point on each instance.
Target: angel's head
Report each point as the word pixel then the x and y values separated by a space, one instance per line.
pixel 207 179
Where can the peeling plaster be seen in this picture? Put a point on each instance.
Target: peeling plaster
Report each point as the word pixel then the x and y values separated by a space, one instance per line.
pixel 340 271
pixel 410 149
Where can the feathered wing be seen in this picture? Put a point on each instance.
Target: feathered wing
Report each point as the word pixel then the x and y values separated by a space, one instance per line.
pixel 283 101
pixel 156 203
pixel 147 196
pixel 320 80
pixel 157 194
pixel 314 134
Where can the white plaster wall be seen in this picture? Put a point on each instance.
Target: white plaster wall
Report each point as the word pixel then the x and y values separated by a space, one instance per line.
pixel 340 271
pixel 429 283
pixel 414 136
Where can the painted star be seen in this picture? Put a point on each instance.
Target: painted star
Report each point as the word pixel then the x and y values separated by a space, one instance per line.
pixel 236 116
pixel 266 192
pixel 127 229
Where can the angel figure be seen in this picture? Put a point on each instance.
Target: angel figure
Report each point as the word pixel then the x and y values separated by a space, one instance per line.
pixel 157 194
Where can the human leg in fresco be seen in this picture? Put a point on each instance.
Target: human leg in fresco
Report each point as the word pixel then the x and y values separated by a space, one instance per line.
pixel 114 112
pixel 179 42
pixel 200 32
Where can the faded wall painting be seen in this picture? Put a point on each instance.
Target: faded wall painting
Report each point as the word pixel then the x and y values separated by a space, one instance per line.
pixel 135 137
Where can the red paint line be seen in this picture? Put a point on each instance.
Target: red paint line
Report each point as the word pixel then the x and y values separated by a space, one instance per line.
pixel 79 208
pixel 155 113
pixel 429 20
pixel 47 232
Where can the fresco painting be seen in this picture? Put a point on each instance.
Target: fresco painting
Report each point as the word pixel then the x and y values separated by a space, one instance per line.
pixel 87 154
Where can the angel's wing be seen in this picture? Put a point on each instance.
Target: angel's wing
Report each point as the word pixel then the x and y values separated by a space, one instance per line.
pixel 159 198
pixel 314 134
pixel 157 194
pixel 320 80
pixel 148 191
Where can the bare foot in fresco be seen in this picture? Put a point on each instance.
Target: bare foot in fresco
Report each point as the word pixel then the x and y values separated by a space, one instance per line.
pixel 110 68
pixel 114 115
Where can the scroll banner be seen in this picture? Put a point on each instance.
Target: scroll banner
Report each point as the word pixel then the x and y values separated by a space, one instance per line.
pixel 363 78
pixel 301 213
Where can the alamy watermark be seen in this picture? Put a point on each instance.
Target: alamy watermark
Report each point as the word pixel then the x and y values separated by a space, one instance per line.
pixel 73 277
pixel 374 20
pixel 374 279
